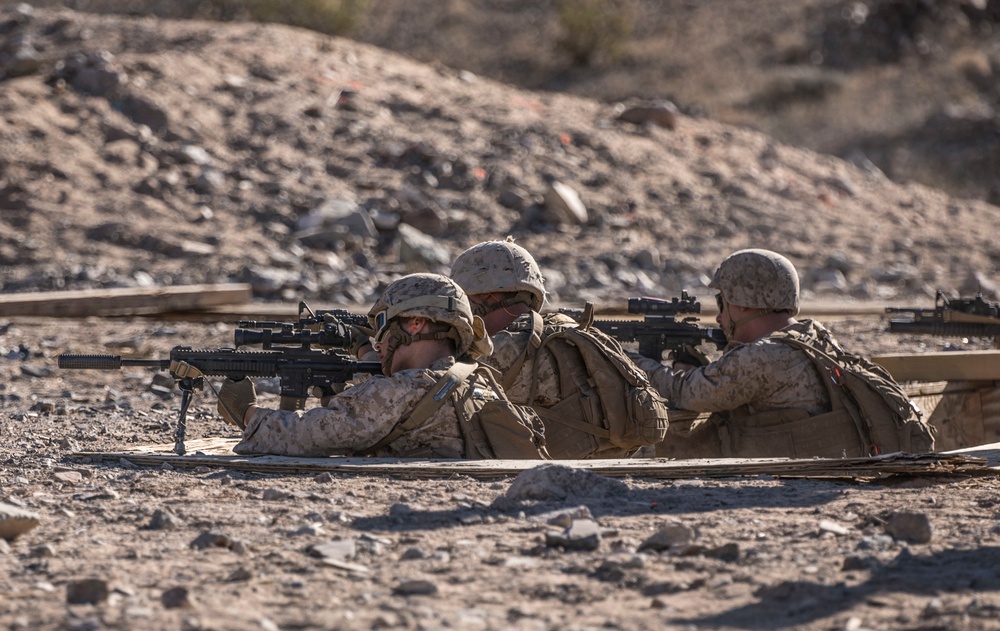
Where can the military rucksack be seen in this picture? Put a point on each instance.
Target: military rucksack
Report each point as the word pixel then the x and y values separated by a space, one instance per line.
pixel 885 418
pixel 607 407
pixel 492 426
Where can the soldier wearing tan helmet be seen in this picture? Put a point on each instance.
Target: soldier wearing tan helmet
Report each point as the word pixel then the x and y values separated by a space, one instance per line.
pixel 422 324
pixel 767 395
pixel 502 279
pixel 540 370
pixel 505 287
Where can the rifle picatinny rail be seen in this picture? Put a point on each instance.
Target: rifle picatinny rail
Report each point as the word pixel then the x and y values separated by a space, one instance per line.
pixel 328 328
pixel 660 329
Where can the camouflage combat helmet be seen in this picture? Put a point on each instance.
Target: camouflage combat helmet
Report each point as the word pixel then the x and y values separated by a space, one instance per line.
pixel 500 266
pixel 434 297
pixel 759 279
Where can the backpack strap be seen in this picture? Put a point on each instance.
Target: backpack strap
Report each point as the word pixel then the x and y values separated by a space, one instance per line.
pixel 429 404
pixel 834 385
pixel 530 348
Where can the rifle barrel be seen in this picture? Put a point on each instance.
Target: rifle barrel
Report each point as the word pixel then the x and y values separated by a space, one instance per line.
pixel 107 362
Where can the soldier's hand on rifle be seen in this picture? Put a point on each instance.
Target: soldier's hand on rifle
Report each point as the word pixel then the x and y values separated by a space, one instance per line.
pixel 689 357
pixel 361 343
pixel 235 398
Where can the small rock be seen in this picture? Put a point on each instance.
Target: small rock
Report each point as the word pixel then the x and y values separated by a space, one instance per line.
pixel 557 482
pixel 412 553
pixel 582 534
pixel 859 562
pixel 727 552
pixel 308 529
pixel 176 598
pixel 878 543
pixel 211 540
pixel 660 114
pixel 826 525
pixel 334 550
pixel 240 574
pixel 89 591
pixel 15 521
pixel 668 535
pixel 68 477
pixel 416 587
pixel 909 526
pixel 163 520
pixel 400 510
pixel 276 495
pixel 564 205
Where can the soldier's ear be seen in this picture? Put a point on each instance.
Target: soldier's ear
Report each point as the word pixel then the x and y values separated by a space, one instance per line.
pixel 415 325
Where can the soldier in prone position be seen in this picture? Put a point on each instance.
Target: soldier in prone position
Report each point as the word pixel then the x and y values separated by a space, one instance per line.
pixel 594 402
pixel 783 387
pixel 422 324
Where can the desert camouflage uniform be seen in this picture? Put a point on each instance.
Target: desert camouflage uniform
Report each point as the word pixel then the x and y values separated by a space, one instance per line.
pixel 765 379
pixel 508 345
pixel 358 418
pixel 762 375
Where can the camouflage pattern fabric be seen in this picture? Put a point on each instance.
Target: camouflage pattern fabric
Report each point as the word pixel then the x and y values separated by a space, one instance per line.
pixel 507 347
pixel 762 375
pixel 759 279
pixel 357 418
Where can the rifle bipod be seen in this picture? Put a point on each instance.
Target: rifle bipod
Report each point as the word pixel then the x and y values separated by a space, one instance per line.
pixel 187 386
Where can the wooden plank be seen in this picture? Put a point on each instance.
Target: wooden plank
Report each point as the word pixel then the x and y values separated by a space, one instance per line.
pixel 218 453
pixel 942 366
pixel 989 452
pixel 123 301
pixel 287 311
pixel 921 388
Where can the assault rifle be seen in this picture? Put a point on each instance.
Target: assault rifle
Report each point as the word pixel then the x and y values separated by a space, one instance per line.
pixel 301 372
pixel 329 328
pixel 958 317
pixel 660 330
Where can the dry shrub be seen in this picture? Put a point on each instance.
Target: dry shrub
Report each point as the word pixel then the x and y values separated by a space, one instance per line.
pixel 593 29
pixel 333 17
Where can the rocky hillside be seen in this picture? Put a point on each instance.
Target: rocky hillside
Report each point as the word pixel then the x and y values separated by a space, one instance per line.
pixel 147 151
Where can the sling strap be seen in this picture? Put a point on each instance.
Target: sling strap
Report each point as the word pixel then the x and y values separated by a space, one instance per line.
pixel 430 403
pixel 534 341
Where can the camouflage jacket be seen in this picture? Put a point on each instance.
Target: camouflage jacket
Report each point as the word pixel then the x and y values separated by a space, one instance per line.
pixel 507 347
pixel 760 376
pixel 357 419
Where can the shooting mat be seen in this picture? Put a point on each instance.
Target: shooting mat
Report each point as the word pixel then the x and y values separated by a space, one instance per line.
pixel 217 453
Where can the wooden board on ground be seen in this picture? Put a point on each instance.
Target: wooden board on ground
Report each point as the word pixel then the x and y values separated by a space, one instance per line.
pixel 942 366
pixel 218 453
pixel 123 301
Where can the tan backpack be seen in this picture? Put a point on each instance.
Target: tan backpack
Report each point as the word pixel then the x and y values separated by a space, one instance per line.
pixel 492 427
pixel 607 407
pixel 885 418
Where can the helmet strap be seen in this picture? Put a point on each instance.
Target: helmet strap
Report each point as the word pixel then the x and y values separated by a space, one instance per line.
pixel 395 337
pixel 521 297
pixel 760 313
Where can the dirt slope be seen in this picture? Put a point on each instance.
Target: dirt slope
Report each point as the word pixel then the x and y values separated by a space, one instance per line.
pixel 145 151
